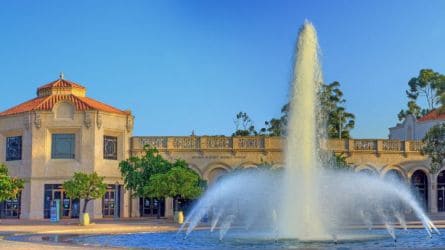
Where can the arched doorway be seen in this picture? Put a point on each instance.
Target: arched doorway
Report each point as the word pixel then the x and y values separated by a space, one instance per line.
pixel 215 174
pixel 441 191
pixel 393 176
pixel 368 172
pixel 419 182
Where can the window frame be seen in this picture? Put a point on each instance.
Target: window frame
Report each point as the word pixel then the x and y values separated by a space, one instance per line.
pixel 109 156
pixel 20 148
pixel 54 139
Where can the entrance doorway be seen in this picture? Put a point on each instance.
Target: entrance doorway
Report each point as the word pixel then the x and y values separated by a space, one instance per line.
pixel 111 201
pixel 441 191
pixel 148 207
pixel 69 208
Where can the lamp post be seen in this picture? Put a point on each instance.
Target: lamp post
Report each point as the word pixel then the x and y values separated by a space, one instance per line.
pixel 116 202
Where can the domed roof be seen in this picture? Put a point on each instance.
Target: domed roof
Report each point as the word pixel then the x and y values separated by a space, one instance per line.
pixel 62 90
pixel 61 86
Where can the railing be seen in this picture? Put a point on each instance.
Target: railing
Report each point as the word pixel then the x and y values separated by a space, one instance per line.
pixel 261 143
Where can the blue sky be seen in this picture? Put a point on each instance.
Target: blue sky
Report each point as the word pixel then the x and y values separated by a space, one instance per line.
pixel 192 65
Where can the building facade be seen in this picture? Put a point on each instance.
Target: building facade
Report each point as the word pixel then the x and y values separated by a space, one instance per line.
pixel 62 131
pixel 47 139
pixel 415 129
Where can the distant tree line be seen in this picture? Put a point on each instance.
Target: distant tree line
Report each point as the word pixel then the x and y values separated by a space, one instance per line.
pixel 339 121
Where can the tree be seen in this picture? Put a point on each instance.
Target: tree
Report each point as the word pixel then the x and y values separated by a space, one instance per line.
pixel 277 127
pixel 9 186
pixel 85 186
pixel 178 182
pixel 339 162
pixel 339 121
pixel 244 125
pixel 136 171
pixel 431 86
pixel 153 176
pixel 413 109
pixel 434 146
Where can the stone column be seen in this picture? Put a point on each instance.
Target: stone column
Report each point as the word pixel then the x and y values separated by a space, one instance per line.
pixel 33 199
pixel 379 148
pixel 169 207
pixel 135 207
pixel 125 202
pixel 96 208
pixel 432 194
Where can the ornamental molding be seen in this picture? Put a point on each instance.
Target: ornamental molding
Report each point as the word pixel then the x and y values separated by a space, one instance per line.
pixel 37 120
pixel 130 123
pixel 156 142
pixel 87 119
pixel 27 121
pixel 99 120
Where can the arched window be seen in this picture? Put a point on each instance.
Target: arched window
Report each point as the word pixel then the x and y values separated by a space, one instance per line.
pixel 419 182
pixel 215 174
pixel 368 172
pixel 64 110
pixel 394 176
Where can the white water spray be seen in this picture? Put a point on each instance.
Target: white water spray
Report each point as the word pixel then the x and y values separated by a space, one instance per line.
pixel 307 201
pixel 302 160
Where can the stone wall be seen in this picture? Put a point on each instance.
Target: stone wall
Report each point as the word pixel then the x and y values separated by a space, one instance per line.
pixel 205 153
pixel 212 156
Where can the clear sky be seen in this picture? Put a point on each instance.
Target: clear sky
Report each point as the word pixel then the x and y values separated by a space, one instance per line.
pixel 192 65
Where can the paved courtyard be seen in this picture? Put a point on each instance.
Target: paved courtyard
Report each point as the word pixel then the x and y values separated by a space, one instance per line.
pixel 69 227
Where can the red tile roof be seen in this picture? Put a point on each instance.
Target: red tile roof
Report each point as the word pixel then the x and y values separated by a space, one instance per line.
pixel 61 83
pixel 433 115
pixel 46 103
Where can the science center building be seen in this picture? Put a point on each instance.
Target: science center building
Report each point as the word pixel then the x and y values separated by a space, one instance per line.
pixel 62 131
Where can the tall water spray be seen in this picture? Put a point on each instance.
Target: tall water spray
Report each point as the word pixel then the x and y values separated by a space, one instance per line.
pixel 307 201
pixel 300 211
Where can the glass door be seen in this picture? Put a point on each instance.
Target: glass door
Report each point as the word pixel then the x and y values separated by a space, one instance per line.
pixel 65 203
pixel 108 204
pixel 111 201
pixel 68 208
pixel 148 207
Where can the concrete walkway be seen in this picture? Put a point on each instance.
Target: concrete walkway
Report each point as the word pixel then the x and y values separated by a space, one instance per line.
pixel 10 228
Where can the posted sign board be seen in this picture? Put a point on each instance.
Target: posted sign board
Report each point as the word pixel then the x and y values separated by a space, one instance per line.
pixel 55 211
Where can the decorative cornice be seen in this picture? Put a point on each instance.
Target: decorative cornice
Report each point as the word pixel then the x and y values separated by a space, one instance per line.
pixel 271 144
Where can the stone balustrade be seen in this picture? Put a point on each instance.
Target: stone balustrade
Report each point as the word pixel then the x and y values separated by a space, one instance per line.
pixel 261 143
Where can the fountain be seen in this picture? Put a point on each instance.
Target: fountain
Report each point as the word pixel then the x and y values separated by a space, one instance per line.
pixel 302 159
pixel 306 204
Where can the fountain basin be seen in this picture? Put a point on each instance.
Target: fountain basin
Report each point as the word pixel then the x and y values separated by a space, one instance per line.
pixel 241 239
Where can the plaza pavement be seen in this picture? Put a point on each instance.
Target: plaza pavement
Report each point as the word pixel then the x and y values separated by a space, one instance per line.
pixel 10 228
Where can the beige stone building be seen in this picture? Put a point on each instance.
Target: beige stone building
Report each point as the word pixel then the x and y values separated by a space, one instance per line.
pixel 61 131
